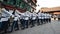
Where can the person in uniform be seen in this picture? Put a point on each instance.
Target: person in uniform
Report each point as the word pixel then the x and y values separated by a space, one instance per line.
pixel 4 24
pixel 28 13
pixel 30 18
pixel 33 19
pixel 15 24
pixel 42 21
pixel 4 18
pixel 49 19
pixel 15 21
pixel 45 18
pixel 26 19
pixel 22 21
pixel 39 18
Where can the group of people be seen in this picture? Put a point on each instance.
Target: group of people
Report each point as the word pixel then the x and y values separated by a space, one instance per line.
pixel 11 18
pixel 8 19
pixel 32 18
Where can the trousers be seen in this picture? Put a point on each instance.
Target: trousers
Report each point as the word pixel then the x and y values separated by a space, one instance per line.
pixel 14 25
pixel 4 26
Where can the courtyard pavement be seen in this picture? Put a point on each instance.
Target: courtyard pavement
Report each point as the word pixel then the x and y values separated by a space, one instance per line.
pixel 48 28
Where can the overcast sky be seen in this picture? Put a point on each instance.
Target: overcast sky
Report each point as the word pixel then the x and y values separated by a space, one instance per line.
pixel 47 3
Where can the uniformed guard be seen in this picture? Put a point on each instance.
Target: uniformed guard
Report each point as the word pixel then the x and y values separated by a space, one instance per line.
pixel 22 21
pixel 29 15
pixel 39 18
pixel 5 15
pixel 26 19
pixel 49 17
pixel 30 18
pixel 45 18
pixel 33 18
pixel 15 21
pixel 15 24
pixel 42 18
pixel 4 24
pixel 44 15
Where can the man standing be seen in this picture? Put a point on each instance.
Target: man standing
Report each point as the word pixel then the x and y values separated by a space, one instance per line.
pixel 26 19
pixel 33 18
pixel 15 24
pixel 15 21
pixel 4 24
pixel 49 18
pixel 42 20
pixel 22 21
pixel 39 18
pixel 4 19
pixel 45 18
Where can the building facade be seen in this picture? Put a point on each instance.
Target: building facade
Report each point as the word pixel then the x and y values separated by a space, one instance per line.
pixel 21 4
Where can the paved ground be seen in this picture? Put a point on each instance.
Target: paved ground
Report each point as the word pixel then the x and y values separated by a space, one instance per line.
pixel 49 28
